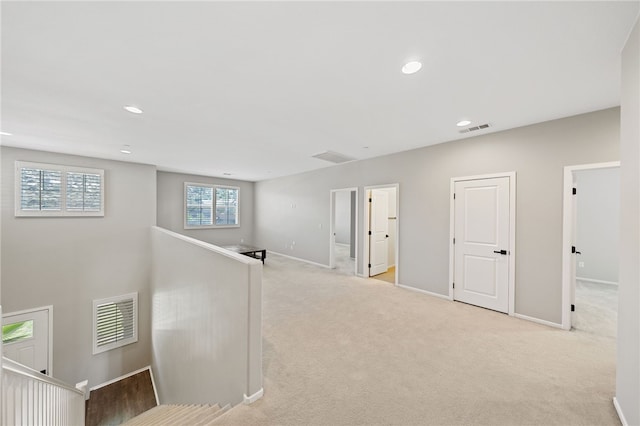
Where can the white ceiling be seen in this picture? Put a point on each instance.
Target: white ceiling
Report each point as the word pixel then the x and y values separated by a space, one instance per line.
pixel 256 88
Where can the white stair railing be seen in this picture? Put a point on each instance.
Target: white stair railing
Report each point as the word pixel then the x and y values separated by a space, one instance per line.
pixel 32 398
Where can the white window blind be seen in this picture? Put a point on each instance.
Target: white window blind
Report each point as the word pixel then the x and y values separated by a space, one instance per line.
pixel 115 322
pixel 54 190
pixel 210 206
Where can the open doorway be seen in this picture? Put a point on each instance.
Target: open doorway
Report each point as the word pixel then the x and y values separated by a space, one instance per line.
pixel 590 261
pixel 381 232
pixel 343 227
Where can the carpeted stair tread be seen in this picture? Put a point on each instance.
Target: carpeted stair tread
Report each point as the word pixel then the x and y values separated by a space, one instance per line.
pixel 179 414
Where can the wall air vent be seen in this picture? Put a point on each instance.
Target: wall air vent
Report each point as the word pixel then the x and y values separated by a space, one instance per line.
pixel 333 157
pixel 474 128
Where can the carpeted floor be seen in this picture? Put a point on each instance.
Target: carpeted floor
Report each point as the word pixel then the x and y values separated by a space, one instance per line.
pixel 596 309
pixel 342 350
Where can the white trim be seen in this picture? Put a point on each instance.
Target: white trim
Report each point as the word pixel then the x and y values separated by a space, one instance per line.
pixel 591 280
pixel 365 229
pixel 50 331
pixel 117 379
pixel 567 224
pixel 82 387
pixel 538 320
pixel 332 226
pixel 253 398
pixel 419 290
pixel 621 416
pixel 299 259
pixel 153 384
pixel 512 232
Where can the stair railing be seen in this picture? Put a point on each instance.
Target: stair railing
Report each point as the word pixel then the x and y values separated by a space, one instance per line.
pixel 32 398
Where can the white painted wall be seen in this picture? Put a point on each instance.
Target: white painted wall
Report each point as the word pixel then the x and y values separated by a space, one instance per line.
pixel 598 224
pixel 538 154
pixel 628 352
pixel 171 209
pixel 343 217
pixel 206 321
pixel 68 262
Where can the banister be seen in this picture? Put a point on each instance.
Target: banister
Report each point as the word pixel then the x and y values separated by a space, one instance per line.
pixel 10 365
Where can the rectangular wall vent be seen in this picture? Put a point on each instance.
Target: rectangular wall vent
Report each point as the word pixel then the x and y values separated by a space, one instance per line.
pixel 333 157
pixel 474 128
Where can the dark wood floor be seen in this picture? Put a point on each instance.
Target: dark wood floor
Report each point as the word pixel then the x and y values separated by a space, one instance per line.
pixel 118 402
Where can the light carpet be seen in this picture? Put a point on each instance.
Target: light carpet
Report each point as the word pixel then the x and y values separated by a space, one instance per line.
pixel 342 350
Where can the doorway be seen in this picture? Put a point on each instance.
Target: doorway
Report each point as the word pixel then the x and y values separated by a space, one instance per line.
pixel 381 240
pixel 26 338
pixel 343 226
pixel 591 218
pixel 482 247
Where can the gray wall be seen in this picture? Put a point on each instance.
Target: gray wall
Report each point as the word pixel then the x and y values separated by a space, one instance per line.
pixel 628 352
pixel 72 261
pixel 598 224
pixel 538 154
pixel 206 321
pixel 343 217
pixel 171 209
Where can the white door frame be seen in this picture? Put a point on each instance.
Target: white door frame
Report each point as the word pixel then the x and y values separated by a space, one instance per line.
pixel 567 227
pixel 48 308
pixel 365 229
pixel 512 232
pixel 332 227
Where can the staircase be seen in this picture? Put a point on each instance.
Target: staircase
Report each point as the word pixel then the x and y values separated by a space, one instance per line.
pixel 178 414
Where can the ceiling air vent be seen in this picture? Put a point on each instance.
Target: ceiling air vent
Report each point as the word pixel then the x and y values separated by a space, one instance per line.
pixel 474 128
pixel 333 157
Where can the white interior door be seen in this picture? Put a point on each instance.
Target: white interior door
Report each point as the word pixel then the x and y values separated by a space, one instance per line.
pixel 26 339
pixel 481 263
pixel 378 232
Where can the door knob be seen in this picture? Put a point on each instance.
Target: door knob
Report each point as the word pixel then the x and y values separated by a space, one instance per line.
pixel 502 252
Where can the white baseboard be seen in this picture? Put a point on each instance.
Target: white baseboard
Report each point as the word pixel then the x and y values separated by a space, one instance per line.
pixel 117 379
pixel 590 280
pixel 253 398
pixel 419 290
pixel 298 259
pixel 623 420
pixel 539 321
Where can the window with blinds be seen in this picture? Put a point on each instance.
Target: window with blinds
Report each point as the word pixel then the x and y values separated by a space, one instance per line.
pixel 115 322
pixel 54 190
pixel 210 206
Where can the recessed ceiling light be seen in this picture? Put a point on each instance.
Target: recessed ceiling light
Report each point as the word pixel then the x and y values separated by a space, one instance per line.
pixel 462 123
pixel 6 134
pixel 226 174
pixel 133 109
pixel 126 149
pixel 411 67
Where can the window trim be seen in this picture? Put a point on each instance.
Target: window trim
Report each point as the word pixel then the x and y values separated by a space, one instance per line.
pixel 119 343
pixel 213 187
pixel 63 212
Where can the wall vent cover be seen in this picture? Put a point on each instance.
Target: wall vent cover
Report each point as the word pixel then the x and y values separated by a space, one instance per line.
pixel 333 157
pixel 474 128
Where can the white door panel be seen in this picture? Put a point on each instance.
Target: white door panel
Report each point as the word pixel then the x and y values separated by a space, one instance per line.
pixel 31 350
pixel 481 214
pixel 379 228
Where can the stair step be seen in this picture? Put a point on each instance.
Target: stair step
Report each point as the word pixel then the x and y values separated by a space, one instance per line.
pixel 179 414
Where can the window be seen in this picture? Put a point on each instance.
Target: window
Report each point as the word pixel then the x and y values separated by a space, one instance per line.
pixel 210 206
pixel 18 331
pixel 52 190
pixel 115 322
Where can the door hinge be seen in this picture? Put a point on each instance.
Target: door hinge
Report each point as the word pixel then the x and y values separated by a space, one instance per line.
pixel 454 195
pixel 575 191
pixel 370 200
pixel 369 266
pixel 573 308
pixel 454 241
pixel 369 232
pixel 454 285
